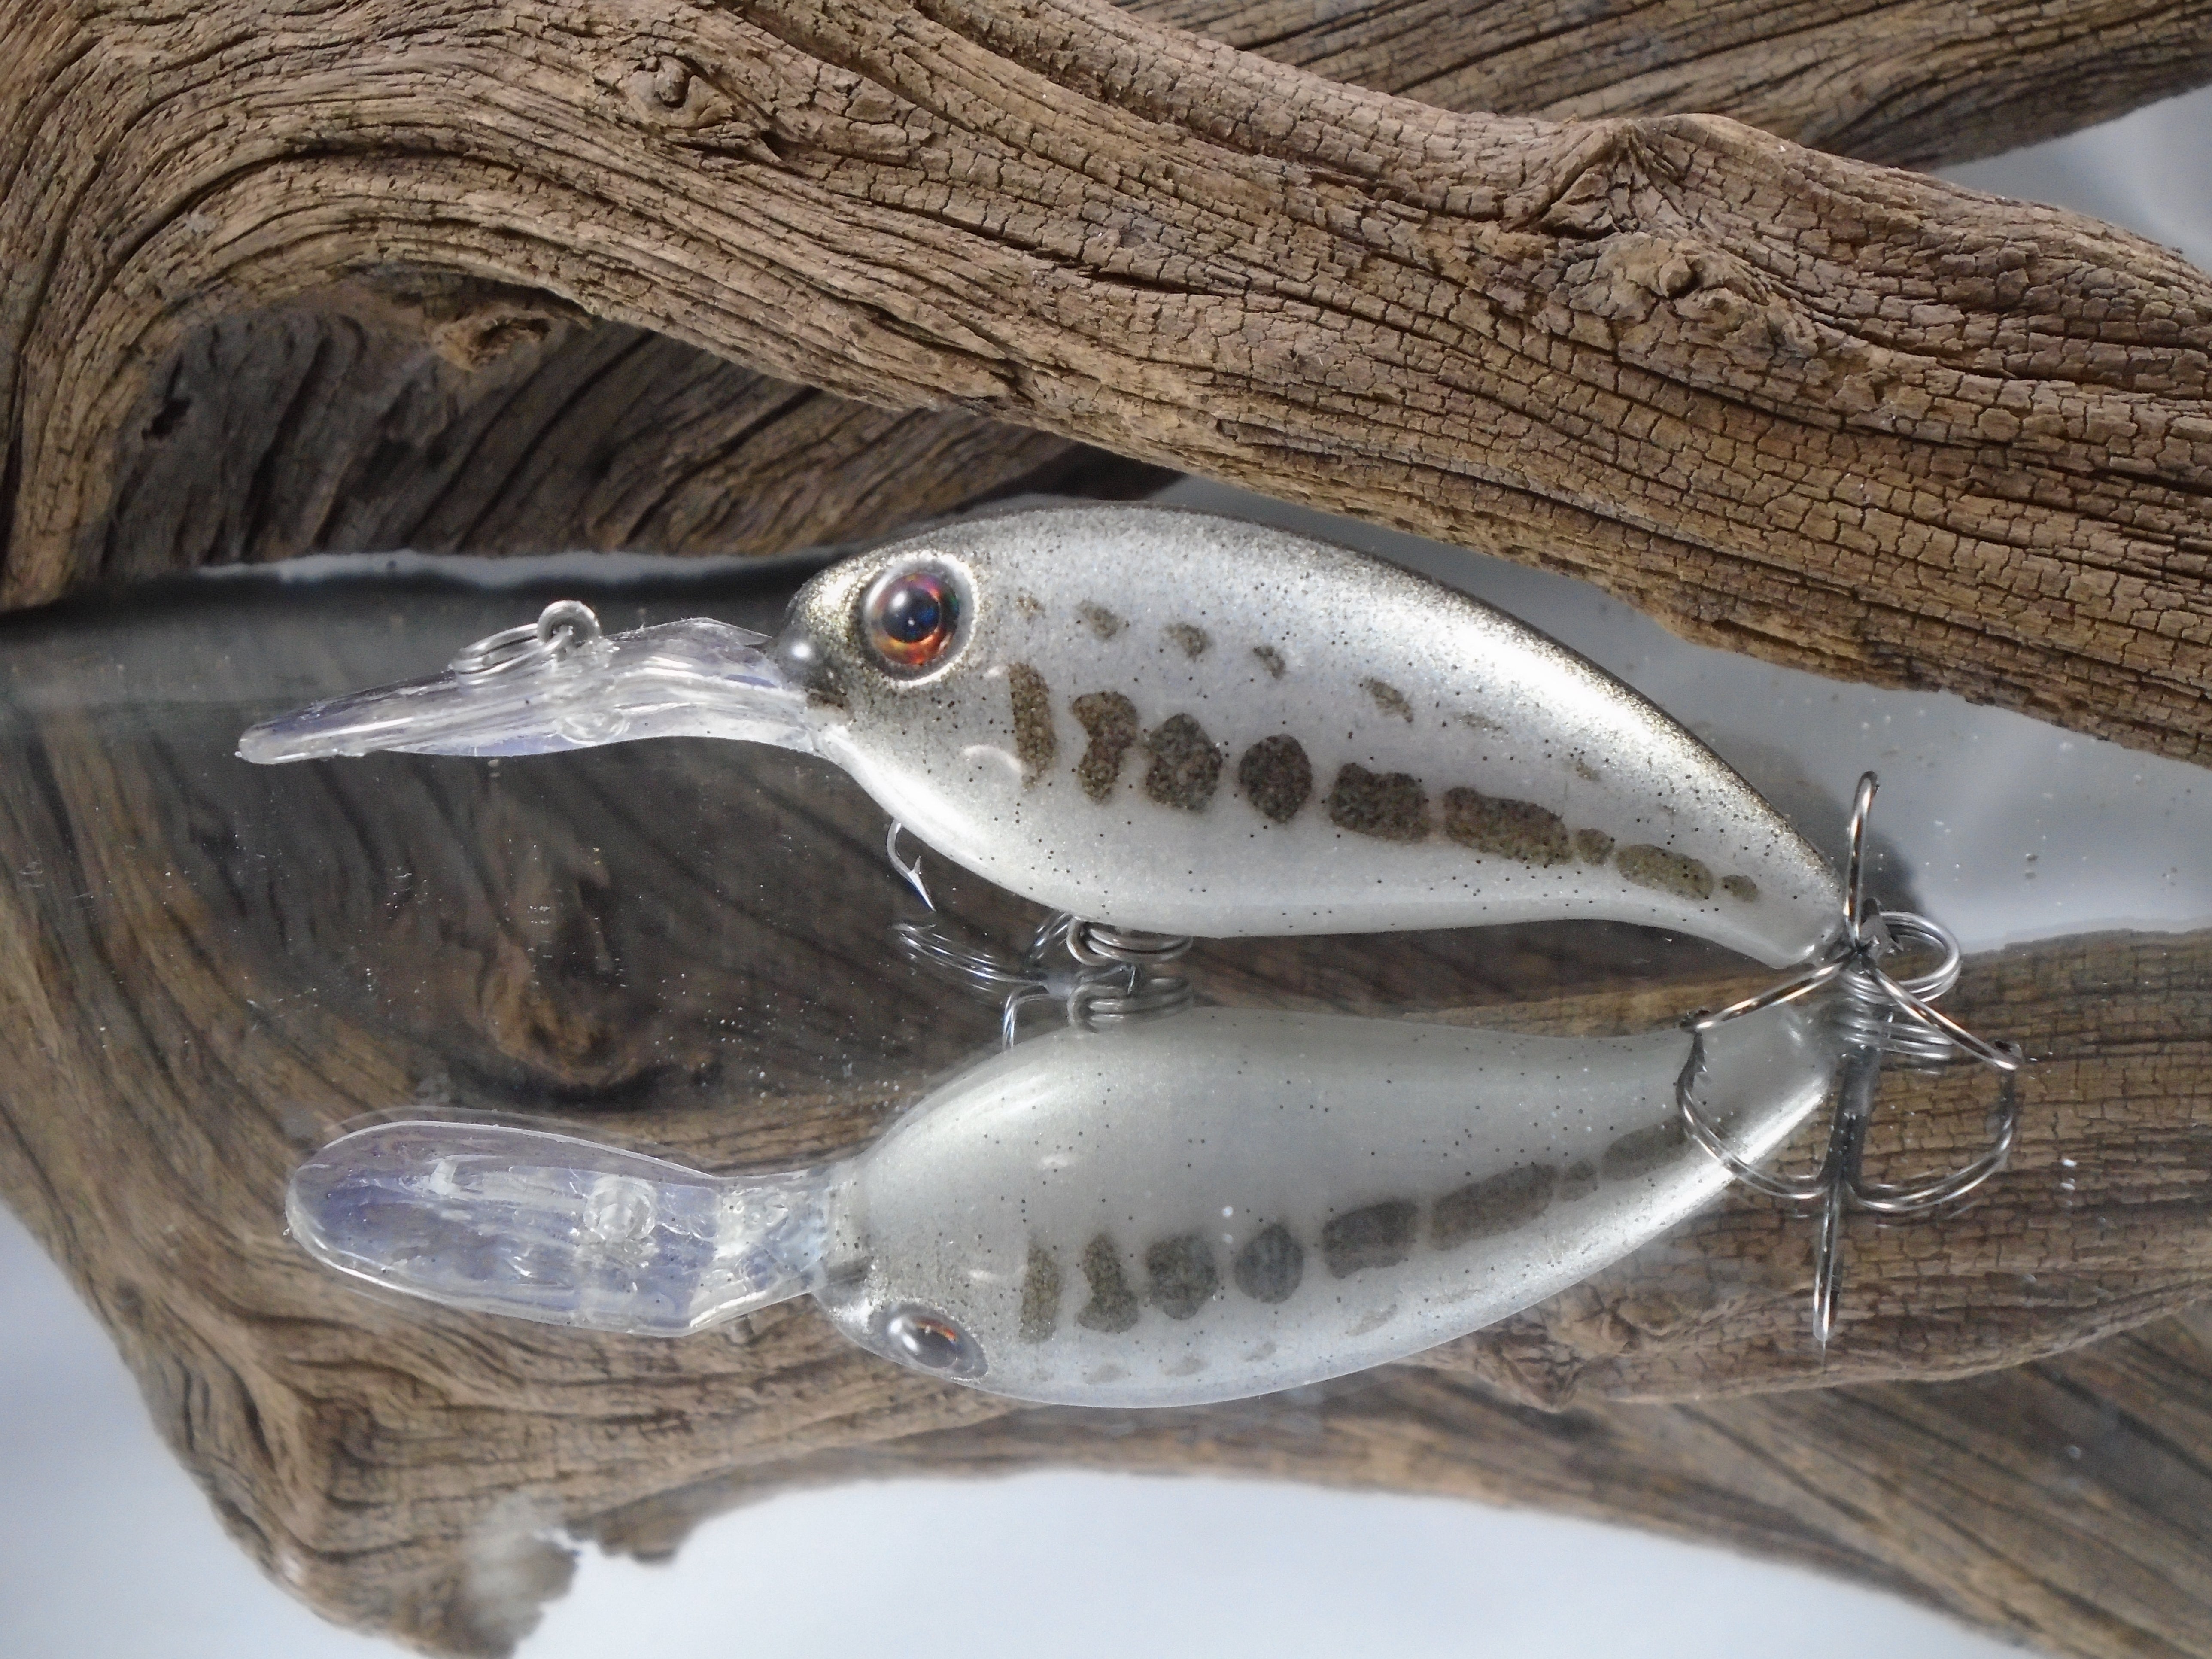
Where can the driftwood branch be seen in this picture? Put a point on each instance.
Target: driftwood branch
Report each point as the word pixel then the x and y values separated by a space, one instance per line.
pixel 1843 416
pixel 458 415
pixel 1911 83
pixel 438 412
pixel 2061 1504
pixel 205 968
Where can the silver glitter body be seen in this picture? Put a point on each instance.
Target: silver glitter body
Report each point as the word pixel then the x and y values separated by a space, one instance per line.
pixel 1171 723
pixel 1190 725
pixel 1196 1208
pixel 1231 1202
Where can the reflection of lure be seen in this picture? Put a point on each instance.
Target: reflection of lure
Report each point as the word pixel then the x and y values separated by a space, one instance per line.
pixel 1191 1209
pixel 1159 720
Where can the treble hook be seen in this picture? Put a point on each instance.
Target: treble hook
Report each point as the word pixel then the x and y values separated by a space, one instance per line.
pixel 1116 977
pixel 1878 1015
pixel 911 872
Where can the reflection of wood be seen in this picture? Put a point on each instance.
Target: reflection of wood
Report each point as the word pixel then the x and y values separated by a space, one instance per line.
pixel 2065 1503
pixel 204 967
pixel 1839 414
pixel 1913 83
pixel 2109 1174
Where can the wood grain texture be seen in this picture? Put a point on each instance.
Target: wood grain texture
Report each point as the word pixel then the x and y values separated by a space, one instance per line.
pixel 461 416
pixel 205 968
pixel 1841 416
pixel 1918 83
pixel 433 413
pixel 2111 1092
pixel 2060 1504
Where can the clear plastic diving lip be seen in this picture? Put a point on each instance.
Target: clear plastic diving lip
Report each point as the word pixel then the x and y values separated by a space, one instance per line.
pixel 492 1218
pixel 555 686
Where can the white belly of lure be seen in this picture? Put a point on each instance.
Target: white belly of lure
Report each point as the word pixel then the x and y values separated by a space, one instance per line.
pixel 1195 1209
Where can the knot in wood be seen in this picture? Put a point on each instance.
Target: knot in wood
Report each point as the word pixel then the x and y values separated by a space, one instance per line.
pixel 672 81
pixel 1667 266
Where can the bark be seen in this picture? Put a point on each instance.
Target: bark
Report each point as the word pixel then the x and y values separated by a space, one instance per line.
pixel 461 416
pixel 205 968
pixel 451 414
pixel 1846 417
pixel 1922 84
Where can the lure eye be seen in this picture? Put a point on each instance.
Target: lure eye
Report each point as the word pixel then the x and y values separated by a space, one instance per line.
pixel 911 617
pixel 932 1341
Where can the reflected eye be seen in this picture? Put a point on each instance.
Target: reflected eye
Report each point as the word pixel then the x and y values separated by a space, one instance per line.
pixel 910 618
pixel 932 1341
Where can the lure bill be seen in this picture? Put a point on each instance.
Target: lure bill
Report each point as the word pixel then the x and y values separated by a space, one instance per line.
pixel 1187 1210
pixel 1175 723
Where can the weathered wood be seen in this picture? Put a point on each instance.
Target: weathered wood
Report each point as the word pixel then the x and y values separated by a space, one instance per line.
pixel 2116 1118
pixel 461 416
pixel 1912 83
pixel 206 967
pixel 2062 1504
pixel 433 413
pixel 1841 416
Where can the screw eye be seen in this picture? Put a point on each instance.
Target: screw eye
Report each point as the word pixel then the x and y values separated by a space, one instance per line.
pixel 911 617
pixel 933 1342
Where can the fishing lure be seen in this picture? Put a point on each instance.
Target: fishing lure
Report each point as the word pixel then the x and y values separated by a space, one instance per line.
pixel 1190 1209
pixel 1167 722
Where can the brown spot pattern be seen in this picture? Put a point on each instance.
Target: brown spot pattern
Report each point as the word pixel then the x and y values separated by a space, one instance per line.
pixel 1185 766
pixel 1271 1264
pixel 1388 698
pixel 1276 777
pixel 1740 887
pixel 1389 805
pixel 1379 1236
pixel 1516 829
pixel 1182 1274
pixel 1664 871
pixel 1111 721
pixel 1112 1305
pixel 1270 659
pixel 1593 845
pixel 1099 620
pixel 1034 741
pixel 1191 639
pixel 1483 1209
pixel 1642 1150
pixel 1040 1295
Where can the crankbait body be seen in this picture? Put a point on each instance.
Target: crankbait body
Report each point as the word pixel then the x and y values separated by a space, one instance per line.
pixel 1190 1209
pixel 1180 724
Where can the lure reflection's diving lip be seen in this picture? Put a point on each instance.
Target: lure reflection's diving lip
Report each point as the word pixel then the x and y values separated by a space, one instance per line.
pixel 497 1219
pixel 695 679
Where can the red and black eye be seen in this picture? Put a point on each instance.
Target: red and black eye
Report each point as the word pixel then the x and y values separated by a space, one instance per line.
pixel 911 617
